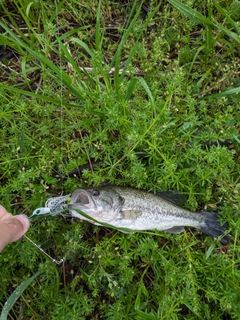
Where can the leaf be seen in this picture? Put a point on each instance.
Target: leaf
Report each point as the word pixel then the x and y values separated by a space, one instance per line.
pixel 66 80
pixel 210 250
pixel 146 87
pixel 199 18
pixel 191 13
pixel 84 46
pixel 15 295
pixel 141 288
pixel 224 93
pixel 228 18
pixel 130 88
pixel 36 96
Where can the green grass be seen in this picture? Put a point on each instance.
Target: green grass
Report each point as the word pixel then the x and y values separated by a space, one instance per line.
pixel 104 83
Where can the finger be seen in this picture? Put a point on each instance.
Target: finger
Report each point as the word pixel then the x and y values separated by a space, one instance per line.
pixel 4 215
pixel 12 229
pixel 24 221
pixel 3 211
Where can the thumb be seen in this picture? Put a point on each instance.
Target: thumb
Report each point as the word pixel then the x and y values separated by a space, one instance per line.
pixel 12 228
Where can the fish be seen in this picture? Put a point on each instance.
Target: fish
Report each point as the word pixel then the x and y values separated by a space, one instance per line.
pixel 137 210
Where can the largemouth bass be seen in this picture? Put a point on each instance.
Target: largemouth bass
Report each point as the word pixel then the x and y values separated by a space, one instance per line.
pixel 134 209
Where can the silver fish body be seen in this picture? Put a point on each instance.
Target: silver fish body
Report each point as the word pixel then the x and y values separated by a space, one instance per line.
pixel 139 210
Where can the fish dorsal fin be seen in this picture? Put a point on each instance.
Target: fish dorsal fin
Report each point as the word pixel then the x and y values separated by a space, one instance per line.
pixel 173 196
pixel 174 230
pixel 131 214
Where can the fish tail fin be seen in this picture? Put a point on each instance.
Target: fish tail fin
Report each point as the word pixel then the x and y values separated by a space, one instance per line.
pixel 212 226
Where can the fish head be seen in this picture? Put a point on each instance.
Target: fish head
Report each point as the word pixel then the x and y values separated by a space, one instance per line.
pixel 102 204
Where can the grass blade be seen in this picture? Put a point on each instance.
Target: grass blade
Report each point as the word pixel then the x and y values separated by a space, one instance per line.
pixel 224 93
pixel 141 288
pixel 15 295
pixel 191 13
pixel 209 35
pixel 116 58
pixel 83 45
pixel 58 9
pixel 36 96
pixel 67 81
pixel 199 18
pixel 75 67
pixel 130 88
pixel 228 18
pixel 70 33
pixel 132 51
pixel 98 32
pixel 146 87
pixel 210 250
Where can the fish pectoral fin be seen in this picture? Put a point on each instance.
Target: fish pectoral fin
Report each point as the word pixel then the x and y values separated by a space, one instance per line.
pixel 174 230
pixel 131 214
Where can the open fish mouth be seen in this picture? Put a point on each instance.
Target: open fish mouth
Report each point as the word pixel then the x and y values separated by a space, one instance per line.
pixel 82 198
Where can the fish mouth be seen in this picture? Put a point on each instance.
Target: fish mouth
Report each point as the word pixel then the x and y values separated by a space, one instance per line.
pixel 82 198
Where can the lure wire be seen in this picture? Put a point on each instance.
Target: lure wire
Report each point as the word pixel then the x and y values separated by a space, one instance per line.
pixel 41 249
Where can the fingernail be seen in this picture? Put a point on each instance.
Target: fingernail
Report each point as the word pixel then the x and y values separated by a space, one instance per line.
pixel 24 221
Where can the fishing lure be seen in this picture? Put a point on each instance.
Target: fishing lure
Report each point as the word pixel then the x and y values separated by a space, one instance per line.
pixel 53 207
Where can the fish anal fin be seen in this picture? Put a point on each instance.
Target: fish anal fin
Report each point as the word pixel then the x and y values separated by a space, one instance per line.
pixel 131 214
pixel 174 230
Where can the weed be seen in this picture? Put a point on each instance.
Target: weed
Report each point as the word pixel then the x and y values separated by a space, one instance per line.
pixel 148 95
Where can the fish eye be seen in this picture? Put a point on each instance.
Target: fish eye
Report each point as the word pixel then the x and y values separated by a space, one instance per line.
pixel 95 192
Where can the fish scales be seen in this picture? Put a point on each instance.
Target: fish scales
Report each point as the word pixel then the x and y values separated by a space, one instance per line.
pixel 154 212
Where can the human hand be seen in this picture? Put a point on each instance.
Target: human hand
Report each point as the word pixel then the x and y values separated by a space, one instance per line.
pixel 12 228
